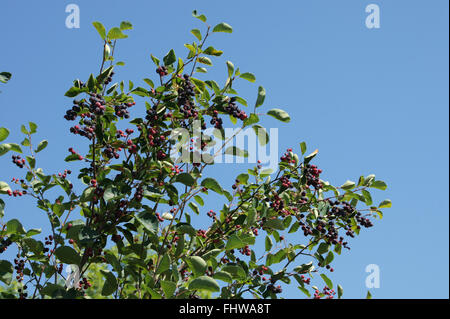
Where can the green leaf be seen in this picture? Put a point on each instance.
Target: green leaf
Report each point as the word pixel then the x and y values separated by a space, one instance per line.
pixel 348 185
pixel 148 220
pixel 33 127
pixel 110 284
pixel 6 271
pixel 67 255
pixel 201 17
pixel 204 60
pixel 224 276
pixel 385 204
pixel 230 67
pixel 236 271
pixel 211 51
pixel 168 288
pixel 275 224
pixel 212 184
pixel 261 97
pixel 4 133
pixel 234 242
pixel 327 280
pixel 154 59
pixel 2 208
pixel 73 91
pixel 235 151
pixel 323 248
pixel 243 178
pixel 185 228
pixel 379 185
pixel 304 290
pixel 164 264
pixel 185 178
pixel 252 119
pixel 5 77
pixel 280 115
pixel 31 161
pixel 14 147
pixel 126 25
pixel 197 265
pixel 169 58
pixel 340 291
pixel 309 157
pixel 223 27
pixel 13 226
pixel 204 283
pixel 248 76
pixel 369 295
pixel 305 268
pixel 303 147
pixel 116 33
pixel 367 197
pixel 100 29
pixel 261 133
pixel 4 148
pixel 4 187
pixel 197 34
pixel 268 243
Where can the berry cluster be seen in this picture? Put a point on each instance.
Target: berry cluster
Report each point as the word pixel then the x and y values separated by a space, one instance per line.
pixel 121 110
pixel 19 266
pixel 16 193
pixel 4 244
pixel 216 120
pixel 139 194
pixel 85 284
pixel 275 290
pixel 277 203
pixel 20 162
pixel 97 104
pixel 22 293
pixel 232 109
pixel 305 280
pixel 245 251
pixel 329 293
pixel 71 150
pixel 211 214
pixel 160 219
pixel 285 182
pixel 64 175
pixel 201 233
pixel 162 71
pixel 287 156
pixel 184 100
pixel 311 172
pixel 111 152
pixel 109 78
pixel 154 137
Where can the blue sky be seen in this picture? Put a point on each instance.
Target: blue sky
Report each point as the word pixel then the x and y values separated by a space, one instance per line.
pixel 371 100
